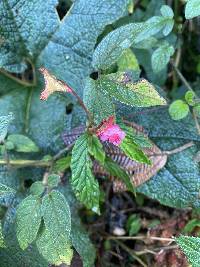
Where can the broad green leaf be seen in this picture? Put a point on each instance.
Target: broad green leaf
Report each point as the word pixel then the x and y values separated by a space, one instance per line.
pixel 161 57
pixel 37 188
pixel 96 149
pixel 54 252
pixel 178 110
pixel 133 151
pixel 98 103
pixel 5 190
pixel 20 31
pixel 54 242
pixel 191 247
pixel 192 9
pixel 4 124
pixel 2 242
pixel 190 98
pixel 83 182
pixel 115 170
pixel 28 220
pixel 139 94
pixel 53 180
pixel 22 143
pixel 113 45
pixel 128 61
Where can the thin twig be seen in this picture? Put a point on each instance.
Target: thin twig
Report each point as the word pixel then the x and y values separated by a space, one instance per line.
pixel 131 253
pixel 143 238
pixel 196 121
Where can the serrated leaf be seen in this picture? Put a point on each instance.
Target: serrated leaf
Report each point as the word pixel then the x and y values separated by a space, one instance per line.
pixel 191 247
pixel 98 103
pixel 113 45
pixel 54 252
pixel 4 124
pixel 139 94
pixel 5 190
pixel 178 110
pixel 192 9
pixel 83 182
pixel 53 180
pixel 96 149
pixel 22 143
pixel 54 242
pixel 190 98
pixel 161 57
pixel 133 151
pixel 37 188
pixel 28 220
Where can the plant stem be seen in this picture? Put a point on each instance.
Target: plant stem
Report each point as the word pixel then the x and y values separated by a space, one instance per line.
pixel 80 101
pixel 142 237
pixel 24 163
pixel 182 78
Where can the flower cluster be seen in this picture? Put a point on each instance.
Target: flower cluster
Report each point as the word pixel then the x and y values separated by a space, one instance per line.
pixel 111 132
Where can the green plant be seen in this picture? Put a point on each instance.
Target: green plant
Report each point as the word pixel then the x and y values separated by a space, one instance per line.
pixel 88 62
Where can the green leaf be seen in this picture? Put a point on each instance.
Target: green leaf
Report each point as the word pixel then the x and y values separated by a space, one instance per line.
pixel 191 247
pixel 53 251
pixel 128 61
pixel 192 9
pixel 166 11
pixel 98 103
pixel 96 149
pixel 22 143
pixel 191 225
pixel 113 45
pixel 161 57
pixel 37 188
pixel 133 224
pixel 53 180
pixel 83 182
pixel 4 124
pixel 190 98
pixel 62 164
pixel 83 245
pixel 178 110
pixel 28 220
pixel 138 138
pixel 140 94
pixel 115 170
pixel 133 151
pixel 5 190
pixel 54 242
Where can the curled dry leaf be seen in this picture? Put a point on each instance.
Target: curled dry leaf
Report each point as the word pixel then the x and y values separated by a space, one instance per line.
pixel 139 172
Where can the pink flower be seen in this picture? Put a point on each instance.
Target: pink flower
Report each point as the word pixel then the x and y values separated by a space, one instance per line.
pixel 111 132
pixel 52 85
